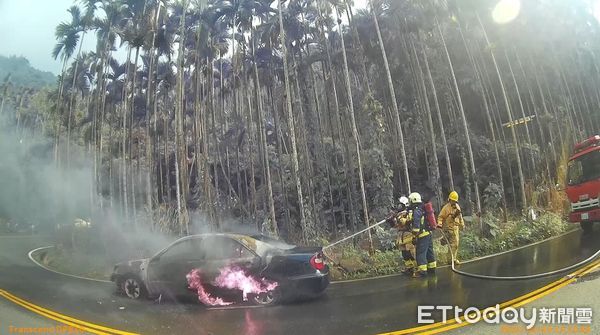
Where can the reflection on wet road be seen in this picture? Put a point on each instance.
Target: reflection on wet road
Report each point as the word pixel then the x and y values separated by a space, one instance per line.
pixel 359 307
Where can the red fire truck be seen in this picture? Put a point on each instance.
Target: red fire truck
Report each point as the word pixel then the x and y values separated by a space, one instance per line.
pixel 583 183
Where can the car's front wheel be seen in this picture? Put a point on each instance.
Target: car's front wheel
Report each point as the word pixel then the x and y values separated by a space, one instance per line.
pixel 132 287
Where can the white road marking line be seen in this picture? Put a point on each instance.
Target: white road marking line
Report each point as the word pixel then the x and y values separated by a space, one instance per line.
pixel 30 254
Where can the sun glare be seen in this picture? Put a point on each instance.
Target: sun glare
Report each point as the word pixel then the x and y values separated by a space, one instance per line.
pixel 506 11
pixel 596 10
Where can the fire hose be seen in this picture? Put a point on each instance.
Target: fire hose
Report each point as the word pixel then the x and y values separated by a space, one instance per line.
pixel 475 275
pixel 355 234
pixel 533 276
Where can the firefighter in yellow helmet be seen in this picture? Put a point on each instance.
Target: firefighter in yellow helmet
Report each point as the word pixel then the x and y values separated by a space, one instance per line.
pixel 400 220
pixel 451 221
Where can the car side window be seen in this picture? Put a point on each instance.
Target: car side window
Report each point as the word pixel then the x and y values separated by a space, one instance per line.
pixel 188 249
pixel 221 248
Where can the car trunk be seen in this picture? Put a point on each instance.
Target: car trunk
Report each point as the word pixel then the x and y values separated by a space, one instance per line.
pixel 292 262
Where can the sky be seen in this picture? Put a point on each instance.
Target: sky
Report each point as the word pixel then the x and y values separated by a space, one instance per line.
pixel 27 28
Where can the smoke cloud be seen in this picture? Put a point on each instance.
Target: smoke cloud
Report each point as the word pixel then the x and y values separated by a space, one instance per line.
pixel 33 190
pixel 38 192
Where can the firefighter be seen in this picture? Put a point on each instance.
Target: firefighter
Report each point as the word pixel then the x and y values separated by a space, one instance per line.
pixel 400 220
pixel 451 221
pixel 423 235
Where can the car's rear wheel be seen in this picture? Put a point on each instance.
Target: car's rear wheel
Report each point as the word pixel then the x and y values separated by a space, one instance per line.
pixel 133 287
pixel 587 227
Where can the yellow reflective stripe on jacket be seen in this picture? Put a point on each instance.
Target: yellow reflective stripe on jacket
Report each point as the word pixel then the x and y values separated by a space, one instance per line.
pixel 423 233
pixel 422 230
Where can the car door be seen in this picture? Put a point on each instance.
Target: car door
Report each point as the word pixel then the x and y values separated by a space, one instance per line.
pixel 167 271
pixel 222 252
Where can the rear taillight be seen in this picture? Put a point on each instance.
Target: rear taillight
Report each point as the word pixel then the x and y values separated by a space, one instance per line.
pixel 317 262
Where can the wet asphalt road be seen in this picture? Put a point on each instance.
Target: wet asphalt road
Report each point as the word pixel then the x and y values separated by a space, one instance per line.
pixel 360 307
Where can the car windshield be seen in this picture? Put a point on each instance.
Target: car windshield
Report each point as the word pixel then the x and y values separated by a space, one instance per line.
pixel 273 242
pixel 584 168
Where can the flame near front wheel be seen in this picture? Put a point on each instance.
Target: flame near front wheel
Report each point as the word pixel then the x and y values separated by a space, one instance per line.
pixel 231 277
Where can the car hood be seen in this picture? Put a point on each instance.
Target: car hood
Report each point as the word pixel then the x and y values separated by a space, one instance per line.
pixel 135 265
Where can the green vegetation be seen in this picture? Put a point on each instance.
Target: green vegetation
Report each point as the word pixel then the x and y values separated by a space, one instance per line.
pixel 21 74
pixel 24 94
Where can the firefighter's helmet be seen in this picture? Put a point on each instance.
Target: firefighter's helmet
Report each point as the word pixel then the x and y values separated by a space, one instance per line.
pixel 415 198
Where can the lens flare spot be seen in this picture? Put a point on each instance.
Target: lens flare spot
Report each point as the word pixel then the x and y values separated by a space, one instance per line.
pixel 506 11
pixel 596 10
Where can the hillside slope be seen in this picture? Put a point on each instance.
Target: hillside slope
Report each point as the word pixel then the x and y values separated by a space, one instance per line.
pixel 22 74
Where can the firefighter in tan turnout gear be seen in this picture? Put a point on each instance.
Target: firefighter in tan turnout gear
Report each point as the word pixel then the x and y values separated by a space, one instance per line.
pixel 401 220
pixel 450 220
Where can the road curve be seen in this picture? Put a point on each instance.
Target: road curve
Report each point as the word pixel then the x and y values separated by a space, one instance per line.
pixel 358 307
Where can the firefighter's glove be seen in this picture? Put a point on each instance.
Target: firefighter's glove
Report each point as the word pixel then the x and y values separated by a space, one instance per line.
pixel 391 221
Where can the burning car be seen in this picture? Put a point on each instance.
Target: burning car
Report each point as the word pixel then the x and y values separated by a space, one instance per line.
pixel 222 269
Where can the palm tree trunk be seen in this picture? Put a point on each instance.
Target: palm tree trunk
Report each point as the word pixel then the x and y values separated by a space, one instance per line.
pixel 394 101
pixel 306 227
pixel 124 140
pixel 263 139
pixel 59 112
pixel 250 153
pixel 131 123
pixel 217 161
pixel 336 131
pixel 545 145
pixel 486 106
pixel 518 93
pixel 510 118
pixel 361 51
pixel 355 133
pixel 180 139
pixel 72 100
pixel 149 103
pixel 307 167
pixel 436 181
pixel 321 152
pixel 463 118
pixel 440 121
